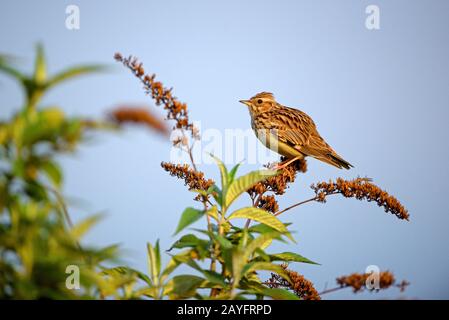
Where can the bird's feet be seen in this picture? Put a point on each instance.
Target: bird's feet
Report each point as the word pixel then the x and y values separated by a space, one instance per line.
pixel 282 165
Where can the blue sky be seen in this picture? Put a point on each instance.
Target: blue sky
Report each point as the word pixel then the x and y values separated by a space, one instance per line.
pixel 380 98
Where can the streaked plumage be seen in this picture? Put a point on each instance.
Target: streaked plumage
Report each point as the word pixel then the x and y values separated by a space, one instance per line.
pixel 289 132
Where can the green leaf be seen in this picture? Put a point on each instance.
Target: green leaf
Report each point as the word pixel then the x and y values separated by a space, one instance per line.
pixel 224 243
pixel 154 271
pixel 211 276
pixel 223 173
pixel 233 172
pixel 262 228
pixel 290 257
pixel 74 72
pixel 40 66
pixel 242 184
pixel 262 255
pixel 213 212
pixel 174 263
pixel 186 259
pixel 216 193
pixel 258 243
pixel 189 241
pixel 53 172
pixel 183 286
pixel 157 252
pixel 278 293
pixel 261 216
pixel 80 229
pixel 189 216
pixel 126 270
pixel 214 277
pixel 19 76
pixel 238 263
pixel 266 266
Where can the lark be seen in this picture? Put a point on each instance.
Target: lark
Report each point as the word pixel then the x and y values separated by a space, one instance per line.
pixel 289 132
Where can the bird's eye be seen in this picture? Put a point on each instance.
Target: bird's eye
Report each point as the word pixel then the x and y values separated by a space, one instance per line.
pixel 259 101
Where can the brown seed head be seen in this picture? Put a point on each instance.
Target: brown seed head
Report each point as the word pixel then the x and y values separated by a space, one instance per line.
pixel 361 189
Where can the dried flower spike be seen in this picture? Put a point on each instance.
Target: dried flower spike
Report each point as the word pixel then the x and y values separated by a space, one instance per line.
pixel 194 179
pixel 302 287
pixel 358 281
pixel 361 189
pixel 176 110
pixel 138 115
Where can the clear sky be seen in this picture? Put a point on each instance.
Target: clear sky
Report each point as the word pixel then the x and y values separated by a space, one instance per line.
pixel 379 97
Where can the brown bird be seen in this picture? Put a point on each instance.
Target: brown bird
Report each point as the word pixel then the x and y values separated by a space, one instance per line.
pixel 289 132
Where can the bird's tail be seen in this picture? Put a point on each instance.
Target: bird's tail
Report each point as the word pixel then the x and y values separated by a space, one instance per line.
pixel 326 154
pixel 335 160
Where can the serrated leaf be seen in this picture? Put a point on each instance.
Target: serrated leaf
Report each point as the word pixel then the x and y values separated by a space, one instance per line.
pixel 261 216
pixel 223 173
pixel 290 257
pixel 233 172
pixel 266 266
pixel 242 184
pixel 189 216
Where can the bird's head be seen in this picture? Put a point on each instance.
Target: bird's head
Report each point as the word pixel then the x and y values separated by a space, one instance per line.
pixel 260 103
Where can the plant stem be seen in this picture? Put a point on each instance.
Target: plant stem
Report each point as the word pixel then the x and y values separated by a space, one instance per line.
pixel 331 290
pixel 300 203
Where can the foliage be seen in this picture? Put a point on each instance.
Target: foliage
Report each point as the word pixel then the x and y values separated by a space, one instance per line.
pixel 37 240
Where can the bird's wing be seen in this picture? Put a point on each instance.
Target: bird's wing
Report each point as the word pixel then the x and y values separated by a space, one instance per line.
pixel 293 127
pixel 298 130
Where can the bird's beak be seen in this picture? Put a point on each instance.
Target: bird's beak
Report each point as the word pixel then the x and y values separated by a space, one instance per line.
pixel 247 102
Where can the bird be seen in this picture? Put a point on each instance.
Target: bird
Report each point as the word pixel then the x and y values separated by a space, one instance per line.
pixel 289 132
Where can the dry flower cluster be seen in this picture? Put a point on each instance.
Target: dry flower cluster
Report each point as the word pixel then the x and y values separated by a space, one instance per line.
pixel 357 281
pixel 361 189
pixel 194 179
pixel 176 110
pixel 302 287
pixel 138 115
pixel 276 185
